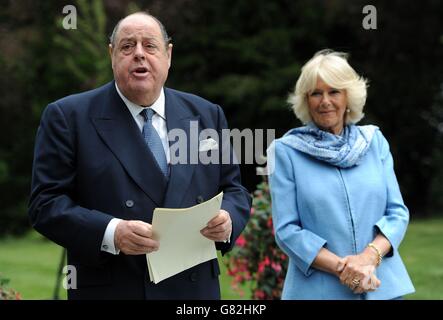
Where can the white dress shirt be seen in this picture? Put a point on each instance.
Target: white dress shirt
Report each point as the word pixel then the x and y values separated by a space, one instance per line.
pixel 159 123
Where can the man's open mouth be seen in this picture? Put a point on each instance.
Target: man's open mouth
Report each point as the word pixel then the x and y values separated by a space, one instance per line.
pixel 140 70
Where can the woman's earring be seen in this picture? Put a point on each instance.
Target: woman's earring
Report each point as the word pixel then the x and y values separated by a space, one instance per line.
pixel 348 110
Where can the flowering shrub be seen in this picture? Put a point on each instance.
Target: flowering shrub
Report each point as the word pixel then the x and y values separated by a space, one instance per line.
pixel 7 293
pixel 256 259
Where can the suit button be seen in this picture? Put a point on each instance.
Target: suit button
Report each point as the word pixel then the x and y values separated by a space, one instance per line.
pixel 200 199
pixel 193 277
pixel 129 203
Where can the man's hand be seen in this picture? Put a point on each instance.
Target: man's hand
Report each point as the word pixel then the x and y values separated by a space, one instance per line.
pixel 134 237
pixel 218 228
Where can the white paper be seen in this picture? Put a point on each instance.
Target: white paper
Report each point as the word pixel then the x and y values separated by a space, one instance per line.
pixel 182 246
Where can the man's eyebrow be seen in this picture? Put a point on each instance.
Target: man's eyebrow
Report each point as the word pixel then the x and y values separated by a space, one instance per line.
pixel 126 39
pixel 130 38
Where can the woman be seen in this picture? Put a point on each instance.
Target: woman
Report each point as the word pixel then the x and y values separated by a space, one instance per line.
pixel 336 204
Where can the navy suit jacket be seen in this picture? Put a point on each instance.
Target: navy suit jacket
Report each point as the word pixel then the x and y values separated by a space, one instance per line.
pixel 91 164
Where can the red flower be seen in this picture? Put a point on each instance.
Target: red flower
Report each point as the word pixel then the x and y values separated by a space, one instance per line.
pixel 269 222
pixel 232 271
pixel 241 242
pixel 256 260
pixel 261 267
pixel 259 294
pixel 238 278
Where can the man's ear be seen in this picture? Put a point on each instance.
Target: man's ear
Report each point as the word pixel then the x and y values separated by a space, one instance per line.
pixel 169 51
pixel 110 49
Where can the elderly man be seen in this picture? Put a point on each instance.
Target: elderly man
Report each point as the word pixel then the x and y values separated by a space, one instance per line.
pixel 102 164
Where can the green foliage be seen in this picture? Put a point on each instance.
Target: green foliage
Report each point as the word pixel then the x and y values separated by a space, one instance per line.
pixel 244 56
pixel 256 259
pixel 7 293
pixel 41 62
pixel 247 59
pixel 3 171
pixel 85 50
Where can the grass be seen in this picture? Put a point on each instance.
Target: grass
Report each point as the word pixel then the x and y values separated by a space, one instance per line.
pixel 422 253
pixel 31 263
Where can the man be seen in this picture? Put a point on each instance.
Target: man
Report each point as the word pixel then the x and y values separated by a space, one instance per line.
pixel 102 165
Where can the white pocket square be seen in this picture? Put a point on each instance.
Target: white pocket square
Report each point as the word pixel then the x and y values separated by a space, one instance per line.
pixel 207 144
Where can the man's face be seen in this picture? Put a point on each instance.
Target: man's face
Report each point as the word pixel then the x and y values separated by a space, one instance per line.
pixel 140 59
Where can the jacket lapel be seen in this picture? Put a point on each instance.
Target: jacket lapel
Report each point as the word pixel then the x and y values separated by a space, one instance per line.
pixel 116 126
pixel 178 116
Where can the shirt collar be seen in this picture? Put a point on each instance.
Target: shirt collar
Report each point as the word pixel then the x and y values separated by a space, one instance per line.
pixel 158 106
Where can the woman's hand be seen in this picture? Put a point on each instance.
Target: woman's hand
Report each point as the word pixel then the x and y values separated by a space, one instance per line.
pixel 369 283
pixel 358 272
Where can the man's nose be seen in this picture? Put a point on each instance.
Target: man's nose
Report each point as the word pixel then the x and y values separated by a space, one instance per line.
pixel 138 51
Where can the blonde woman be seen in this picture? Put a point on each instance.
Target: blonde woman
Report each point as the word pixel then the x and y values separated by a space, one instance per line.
pixel 337 207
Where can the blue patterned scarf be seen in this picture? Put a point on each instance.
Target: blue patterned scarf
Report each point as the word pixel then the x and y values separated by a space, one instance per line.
pixel 344 151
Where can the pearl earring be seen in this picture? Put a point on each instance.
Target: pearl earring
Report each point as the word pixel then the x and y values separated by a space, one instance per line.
pixel 348 110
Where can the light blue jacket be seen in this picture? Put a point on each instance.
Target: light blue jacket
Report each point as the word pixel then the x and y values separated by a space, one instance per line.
pixel 315 205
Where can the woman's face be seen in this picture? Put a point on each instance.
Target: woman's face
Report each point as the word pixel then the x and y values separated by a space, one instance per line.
pixel 327 107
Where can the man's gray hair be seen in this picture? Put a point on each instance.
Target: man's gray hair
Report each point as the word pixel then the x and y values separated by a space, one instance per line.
pixel 165 36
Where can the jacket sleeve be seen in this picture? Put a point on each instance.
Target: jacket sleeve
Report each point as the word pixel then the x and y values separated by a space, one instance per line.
pixel 53 210
pixel 236 199
pixel 395 220
pixel 301 245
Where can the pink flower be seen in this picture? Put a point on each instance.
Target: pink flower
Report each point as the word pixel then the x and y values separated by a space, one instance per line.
pixel 242 266
pixel 261 267
pixel 259 294
pixel 241 242
pixel 276 267
pixel 232 271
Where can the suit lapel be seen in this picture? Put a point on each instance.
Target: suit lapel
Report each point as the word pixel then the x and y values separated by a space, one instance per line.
pixel 116 126
pixel 178 116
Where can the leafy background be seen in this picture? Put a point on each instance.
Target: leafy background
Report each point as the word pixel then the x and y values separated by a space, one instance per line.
pixel 245 56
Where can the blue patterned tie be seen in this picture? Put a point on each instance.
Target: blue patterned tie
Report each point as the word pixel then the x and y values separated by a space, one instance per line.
pixel 153 140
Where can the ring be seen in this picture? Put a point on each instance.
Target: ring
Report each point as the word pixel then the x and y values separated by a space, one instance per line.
pixel 356 282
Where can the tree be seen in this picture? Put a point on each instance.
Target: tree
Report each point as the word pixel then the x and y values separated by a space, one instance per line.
pixel 41 62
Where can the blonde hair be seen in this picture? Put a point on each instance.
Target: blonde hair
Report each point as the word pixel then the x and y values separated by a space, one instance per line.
pixel 333 68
